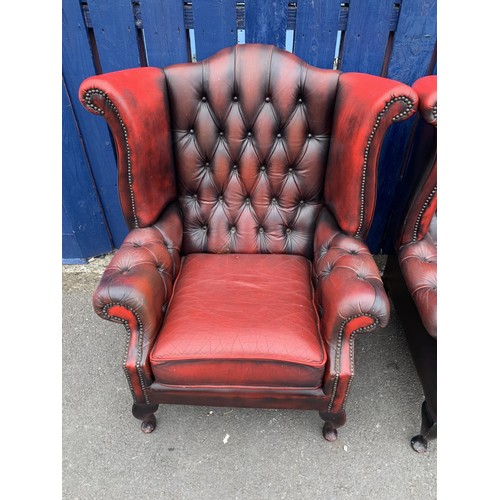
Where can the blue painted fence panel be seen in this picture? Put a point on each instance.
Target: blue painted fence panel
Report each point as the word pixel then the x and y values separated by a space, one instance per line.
pixel 79 197
pixel 71 251
pixel 412 57
pixel 115 34
pixel 397 39
pixel 77 65
pixel 316 32
pixel 215 22
pixel 164 32
pixel 266 22
pixel 414 41
pixel 366 36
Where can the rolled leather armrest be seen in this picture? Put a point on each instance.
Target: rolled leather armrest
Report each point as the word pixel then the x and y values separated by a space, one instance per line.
pixel 137 284
pixel 418 263
pixel 349 289
pixel 134 103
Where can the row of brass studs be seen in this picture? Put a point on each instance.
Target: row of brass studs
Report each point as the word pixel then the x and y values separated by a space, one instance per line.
pixel 139 350
pixel 88 101
pixel 339 347
pixel 351 356
pixel 380 115
pixel 421 213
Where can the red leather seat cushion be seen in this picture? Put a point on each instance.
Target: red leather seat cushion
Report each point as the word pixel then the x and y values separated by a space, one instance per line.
pixel 241 320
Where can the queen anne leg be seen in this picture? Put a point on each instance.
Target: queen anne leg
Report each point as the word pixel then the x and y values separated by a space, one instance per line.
pixel 145 413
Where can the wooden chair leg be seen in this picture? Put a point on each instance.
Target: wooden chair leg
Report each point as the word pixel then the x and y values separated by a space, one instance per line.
pixel 428 431
pixel 332 422
pixel 145 413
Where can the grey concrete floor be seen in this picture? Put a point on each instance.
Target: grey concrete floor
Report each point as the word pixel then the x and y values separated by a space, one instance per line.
pixel 225 453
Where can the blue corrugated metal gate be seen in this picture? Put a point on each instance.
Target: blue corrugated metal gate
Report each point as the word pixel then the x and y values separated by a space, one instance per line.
pixel 393 39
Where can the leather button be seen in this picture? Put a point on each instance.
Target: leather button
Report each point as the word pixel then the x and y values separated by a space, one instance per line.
pixel 279 136
pixel 290 170
pixel 204 99
pixel 204 228
pixel 235 98
pixel 261 230
pixel 274 200
pixel 300 100
pixel 221 133
pixel 195 196
pixel 249 134
pixel 309 136
pixel 220 198
pixel 247 201
pixel 233 229
pixel 288 230
pixel 191 131
pixel 207 164
pixel 262 167
pixel 267 99
pixel 235 167
pixel 301 202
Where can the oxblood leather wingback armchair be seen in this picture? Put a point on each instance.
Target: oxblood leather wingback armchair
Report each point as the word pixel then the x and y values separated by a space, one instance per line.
pixel 248 181
pixel 411 272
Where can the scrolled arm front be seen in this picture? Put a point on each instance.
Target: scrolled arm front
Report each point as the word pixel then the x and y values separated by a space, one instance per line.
pixel 135 289
pixel 351 297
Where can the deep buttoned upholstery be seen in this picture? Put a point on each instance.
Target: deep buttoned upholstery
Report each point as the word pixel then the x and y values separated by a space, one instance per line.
pixel 248 181
pixel 252 146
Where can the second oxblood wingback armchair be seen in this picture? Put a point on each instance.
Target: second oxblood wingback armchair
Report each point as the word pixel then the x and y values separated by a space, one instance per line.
pixel 248 181
pixel 411 272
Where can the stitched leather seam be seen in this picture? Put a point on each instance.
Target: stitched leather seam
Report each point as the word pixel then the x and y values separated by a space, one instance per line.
pixel 421 213
pixel 351 352
pixel 380 115
pixel 139 349
pixel 109 102
pixel 435 111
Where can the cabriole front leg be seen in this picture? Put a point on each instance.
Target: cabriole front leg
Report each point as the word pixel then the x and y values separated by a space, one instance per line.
pixel 332 422
pixel 145 413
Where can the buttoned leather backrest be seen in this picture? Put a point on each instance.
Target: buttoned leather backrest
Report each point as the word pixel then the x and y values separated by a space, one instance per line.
pixel 251 133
